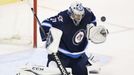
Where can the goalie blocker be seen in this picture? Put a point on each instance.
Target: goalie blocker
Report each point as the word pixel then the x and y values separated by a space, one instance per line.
pixel 52 45
pixel 53 40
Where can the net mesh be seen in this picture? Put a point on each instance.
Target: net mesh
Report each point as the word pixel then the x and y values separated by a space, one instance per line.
pixel 16 23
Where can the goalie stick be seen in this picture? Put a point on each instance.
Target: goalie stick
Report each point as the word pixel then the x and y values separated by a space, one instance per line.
pixel 57 60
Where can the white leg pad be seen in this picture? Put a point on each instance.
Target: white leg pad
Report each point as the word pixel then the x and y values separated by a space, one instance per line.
pixel 41 70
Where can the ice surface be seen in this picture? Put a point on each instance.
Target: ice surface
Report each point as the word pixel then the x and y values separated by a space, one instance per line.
pixel 10 64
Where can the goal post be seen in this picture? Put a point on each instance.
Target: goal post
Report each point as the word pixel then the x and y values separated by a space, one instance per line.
pixel 35 24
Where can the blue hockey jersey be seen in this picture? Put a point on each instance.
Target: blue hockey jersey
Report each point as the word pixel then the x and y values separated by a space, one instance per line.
pixel 74 38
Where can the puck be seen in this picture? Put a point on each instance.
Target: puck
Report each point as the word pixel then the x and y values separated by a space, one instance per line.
pixel 103 18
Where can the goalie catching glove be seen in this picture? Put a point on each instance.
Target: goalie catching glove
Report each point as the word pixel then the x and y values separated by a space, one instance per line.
pixel 97 34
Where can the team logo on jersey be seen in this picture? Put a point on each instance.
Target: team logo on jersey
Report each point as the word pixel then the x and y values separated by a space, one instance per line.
pixel 78 37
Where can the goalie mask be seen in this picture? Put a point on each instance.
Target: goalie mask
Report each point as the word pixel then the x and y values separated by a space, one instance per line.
pixel 76 12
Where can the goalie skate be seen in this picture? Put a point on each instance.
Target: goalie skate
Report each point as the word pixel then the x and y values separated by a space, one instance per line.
pixel 97 61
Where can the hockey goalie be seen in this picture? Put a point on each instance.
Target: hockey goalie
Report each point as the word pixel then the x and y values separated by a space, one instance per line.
pixel 66 36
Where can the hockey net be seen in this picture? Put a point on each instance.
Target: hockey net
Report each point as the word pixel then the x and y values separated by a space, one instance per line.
pixel 16 22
